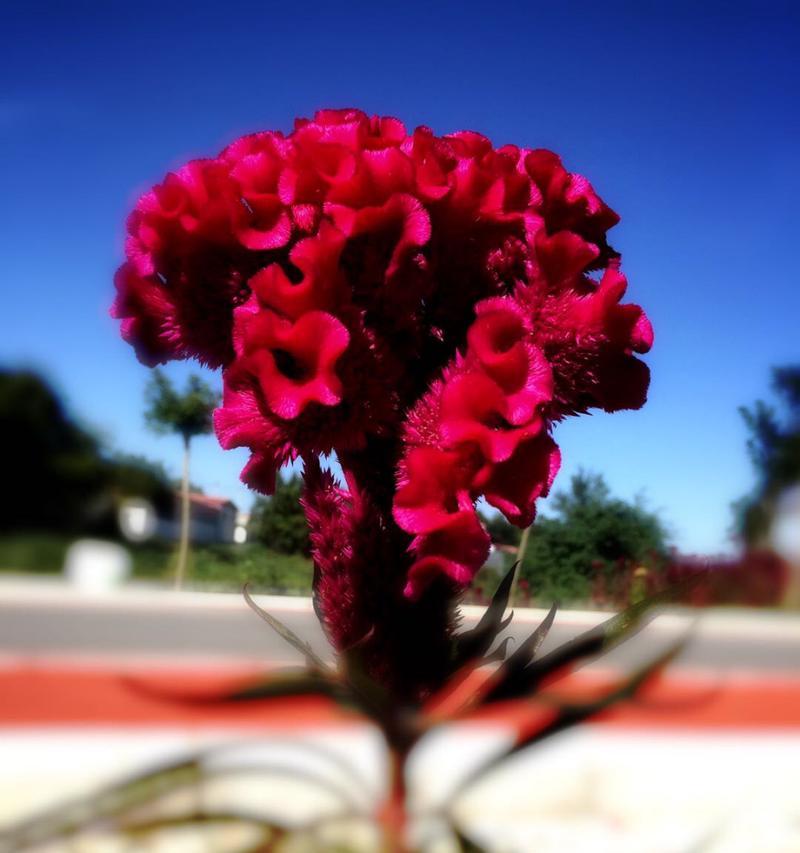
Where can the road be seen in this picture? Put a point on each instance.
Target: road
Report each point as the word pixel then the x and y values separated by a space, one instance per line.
pixel 206 628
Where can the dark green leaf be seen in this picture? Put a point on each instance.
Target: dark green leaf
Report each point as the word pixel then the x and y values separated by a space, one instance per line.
pixel 571 714
pixel 512 676
pixel 478 640
pixel 298 684
pixel 593 642
pixel 283 684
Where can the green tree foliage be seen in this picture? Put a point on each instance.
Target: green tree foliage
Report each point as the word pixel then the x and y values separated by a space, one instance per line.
pixel 500 530
pixel 278 521
pixel 774 447
pixel 54 465
pixel 188 414
pixel 589 532
pixel 60 477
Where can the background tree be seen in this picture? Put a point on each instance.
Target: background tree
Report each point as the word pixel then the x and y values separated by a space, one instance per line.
pixel 278 521
pixel 774 447
pixel 63 479
pixel 188 414
pixel 590 533
pixel 500 530
pixel 53 463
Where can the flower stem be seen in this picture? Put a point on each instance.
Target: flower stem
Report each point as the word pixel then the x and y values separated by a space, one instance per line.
pixel 394 815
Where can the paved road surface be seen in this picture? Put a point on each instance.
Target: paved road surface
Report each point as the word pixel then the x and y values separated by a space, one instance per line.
pixel 49 622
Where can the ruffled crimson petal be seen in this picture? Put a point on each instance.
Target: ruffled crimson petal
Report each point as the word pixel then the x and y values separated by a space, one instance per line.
pixel 625 326
pixel 147 316
pixel 436 484
pixel 500 340
pixel 433 160
pixel 344 127
pixel 270 143
pixel 457 549
pixel 569 201
pixel 295 362
pixel 263 223
pixel 515 485
pixel 622 382
pixel 309 282
pixel 384 132
pixel 257 174
pixel 564 255
pixel 386 235
pixel 306 217
pixel 468 143
pixel 314 166
pixel 260 472
pixel 389 172
pixel 239 422
pixel 474 410
pixel 642 335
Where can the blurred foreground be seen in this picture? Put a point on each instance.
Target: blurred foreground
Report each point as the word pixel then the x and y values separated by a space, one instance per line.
pixel 706 760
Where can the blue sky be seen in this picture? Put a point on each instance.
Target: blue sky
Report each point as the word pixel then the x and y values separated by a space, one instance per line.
pixel 685 120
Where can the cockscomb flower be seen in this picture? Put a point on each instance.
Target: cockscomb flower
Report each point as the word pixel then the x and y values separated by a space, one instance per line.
pixel 424 307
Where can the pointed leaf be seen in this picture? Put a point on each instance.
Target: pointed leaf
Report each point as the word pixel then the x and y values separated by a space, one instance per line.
pixel 511 677
pixel 301 682
pixel 478 640
pixel 593 642
pixel 570 714
pixel 156 824
pixel 500 653
pixel 312 658
pixel 441 704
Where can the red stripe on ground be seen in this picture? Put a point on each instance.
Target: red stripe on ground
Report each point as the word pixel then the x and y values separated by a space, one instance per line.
pixel 37 695
pixel 41 696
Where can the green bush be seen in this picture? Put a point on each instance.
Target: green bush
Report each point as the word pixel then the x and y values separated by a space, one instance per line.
pixel 35 553
pixel 278 521
pixel 592 533
pixel 231 566
pixel 219 567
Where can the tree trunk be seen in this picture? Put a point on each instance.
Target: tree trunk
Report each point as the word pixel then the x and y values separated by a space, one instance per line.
pixel 183 547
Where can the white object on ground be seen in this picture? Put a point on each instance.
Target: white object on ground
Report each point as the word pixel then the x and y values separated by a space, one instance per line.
pixel 91 565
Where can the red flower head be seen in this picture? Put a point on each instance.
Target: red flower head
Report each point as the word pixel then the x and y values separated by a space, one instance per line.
pixel 424 307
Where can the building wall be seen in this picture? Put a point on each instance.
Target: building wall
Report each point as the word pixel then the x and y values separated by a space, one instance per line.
pixel 207 525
